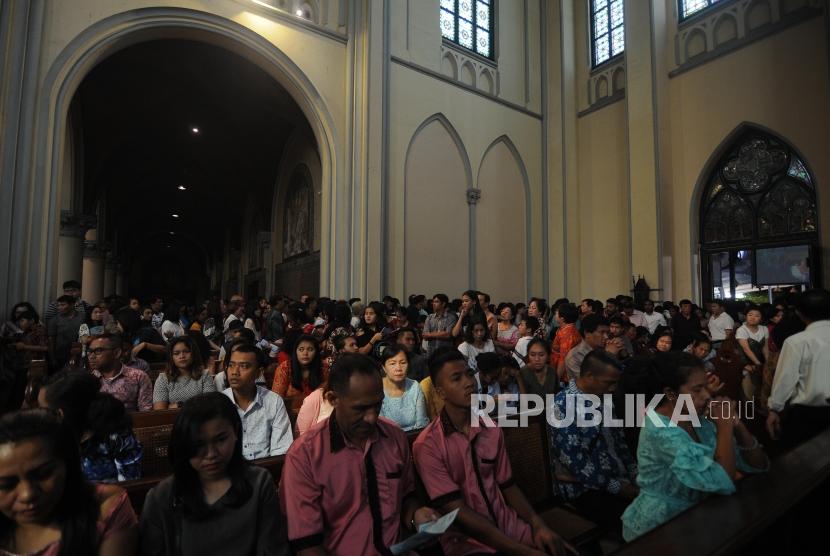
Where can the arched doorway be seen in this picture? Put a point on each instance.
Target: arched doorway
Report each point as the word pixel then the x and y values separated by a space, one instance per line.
pixel 181 145
pixel 758 220
pixel 37 276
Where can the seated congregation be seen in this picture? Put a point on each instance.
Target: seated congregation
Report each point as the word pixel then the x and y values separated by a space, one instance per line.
pixel 334 427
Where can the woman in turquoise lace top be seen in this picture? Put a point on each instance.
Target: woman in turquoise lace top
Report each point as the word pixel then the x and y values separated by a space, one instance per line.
pixel 681 462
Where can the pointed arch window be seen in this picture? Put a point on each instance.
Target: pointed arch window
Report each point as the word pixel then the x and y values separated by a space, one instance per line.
pixel 469 24
pixel 758 219
pixel 607 30
pixel 688 8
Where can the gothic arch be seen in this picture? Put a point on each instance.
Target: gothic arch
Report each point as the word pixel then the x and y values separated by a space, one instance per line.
pixel 525 182
pixel 442 119
pixel 116 32
pixel 756 193
pixel 437 178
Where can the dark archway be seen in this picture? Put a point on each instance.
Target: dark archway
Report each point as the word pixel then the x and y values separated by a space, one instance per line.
pixel 758 219
pixel 179 137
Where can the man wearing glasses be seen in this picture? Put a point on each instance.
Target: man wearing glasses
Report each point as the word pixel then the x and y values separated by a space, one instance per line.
pixel 131 386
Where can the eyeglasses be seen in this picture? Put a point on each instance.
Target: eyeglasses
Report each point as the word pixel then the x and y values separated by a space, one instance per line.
pixel 98 351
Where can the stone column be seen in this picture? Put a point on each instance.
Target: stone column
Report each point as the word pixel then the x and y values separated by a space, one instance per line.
pixel 92 283
pixel 643 140
pixel 71 246
pixel 110 264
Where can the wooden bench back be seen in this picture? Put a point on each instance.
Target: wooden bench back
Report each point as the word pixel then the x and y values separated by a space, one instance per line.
pixel 529 451
pixel 729 524
pixel 527 447
pixel 153 430
pixel 155 370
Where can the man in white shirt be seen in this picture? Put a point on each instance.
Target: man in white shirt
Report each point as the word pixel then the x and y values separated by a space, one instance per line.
pixel 802 377
pixel 653 320
pixel 721 325
pixel 632 315
pixel 266 429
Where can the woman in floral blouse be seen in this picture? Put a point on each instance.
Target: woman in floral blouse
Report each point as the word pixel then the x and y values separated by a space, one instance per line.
pixel 109 450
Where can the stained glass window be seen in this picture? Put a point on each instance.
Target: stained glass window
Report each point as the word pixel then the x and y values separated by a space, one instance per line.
pixel 607 30
pixel 691 7
pixel 797 170
pixel 468 23
pixel 760 195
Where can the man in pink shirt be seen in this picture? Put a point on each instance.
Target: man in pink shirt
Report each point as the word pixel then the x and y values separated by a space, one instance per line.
pixel 348 483
pixel 465 467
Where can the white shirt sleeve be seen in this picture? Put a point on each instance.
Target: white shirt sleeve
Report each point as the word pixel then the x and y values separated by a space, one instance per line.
pixel 281 436
pixel 786 375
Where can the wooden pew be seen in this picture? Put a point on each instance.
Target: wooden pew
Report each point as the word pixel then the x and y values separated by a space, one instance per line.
pixel 528 450
pixel 751 516
pixel 153 429
pixel 155 370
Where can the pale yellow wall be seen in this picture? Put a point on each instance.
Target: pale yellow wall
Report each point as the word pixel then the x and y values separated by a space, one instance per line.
pixel 435 245
pixel 779 82
pixel 782 84
pixel 415 96
pixel 602 224
pixel 320 58
pixel 501 236
pixel 599 230
pixel 479 122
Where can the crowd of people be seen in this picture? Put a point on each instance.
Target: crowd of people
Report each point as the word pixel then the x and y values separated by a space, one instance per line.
pixel 336 385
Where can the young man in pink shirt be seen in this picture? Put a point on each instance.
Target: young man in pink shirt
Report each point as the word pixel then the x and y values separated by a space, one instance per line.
pixel 348 483
pixel 465 467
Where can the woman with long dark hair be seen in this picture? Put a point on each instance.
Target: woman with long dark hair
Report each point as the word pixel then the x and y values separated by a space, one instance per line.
pixel 184 377
pixel 215 502
pixel 371 326
pixel 476 340
pixel 47 506
pixel 304 373
pixel 101 425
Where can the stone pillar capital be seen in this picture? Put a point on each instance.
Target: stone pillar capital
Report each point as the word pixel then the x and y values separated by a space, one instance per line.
pixel 95 250
pixel 76 225
pixel 473 196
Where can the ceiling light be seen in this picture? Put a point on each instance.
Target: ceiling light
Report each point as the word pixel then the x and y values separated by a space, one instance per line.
pixel 182 188
pixel 299 13
pixel 172 233
pixel 175 215
pixel 194 129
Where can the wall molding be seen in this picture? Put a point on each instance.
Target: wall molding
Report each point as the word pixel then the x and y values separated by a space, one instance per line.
pixel 445 79
pixel 602 103
pixel 725 30
pixel 606 85
pixel 277 11
pixel 486 77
